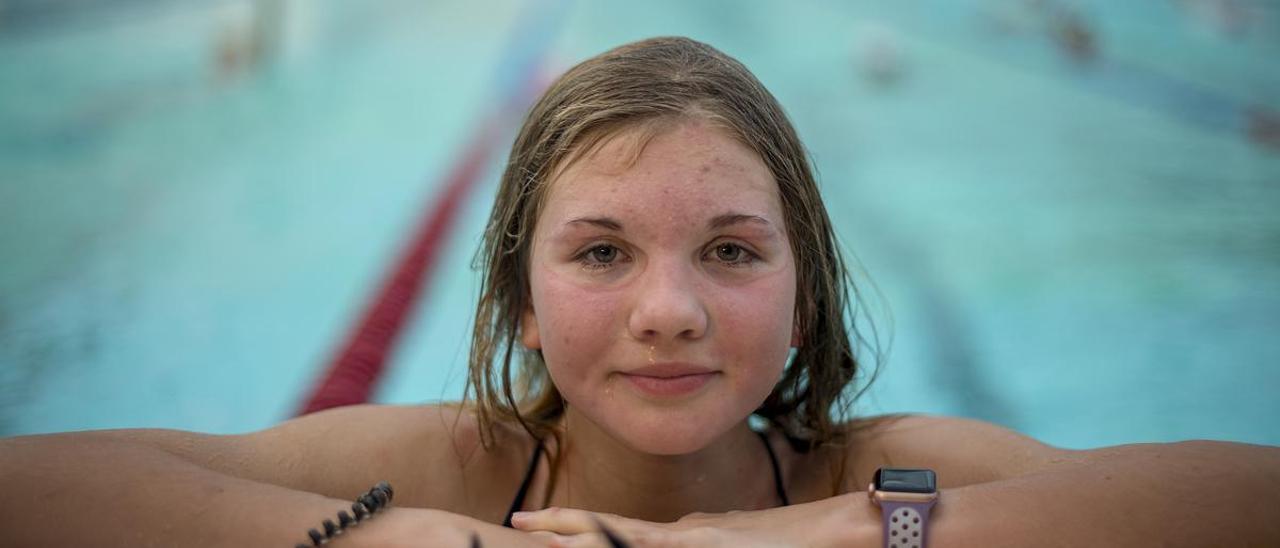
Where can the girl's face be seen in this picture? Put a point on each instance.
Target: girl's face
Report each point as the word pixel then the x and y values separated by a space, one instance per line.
pixel 663 290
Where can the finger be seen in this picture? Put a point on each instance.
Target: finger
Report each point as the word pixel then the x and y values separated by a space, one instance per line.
pixel 566 521
pixel 548 538
pixel 614 540
pixel 602 537
pixel 647 537
pixel 581 540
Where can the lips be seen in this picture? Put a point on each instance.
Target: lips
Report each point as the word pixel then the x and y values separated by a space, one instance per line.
pixel 668 379
pixel 667 370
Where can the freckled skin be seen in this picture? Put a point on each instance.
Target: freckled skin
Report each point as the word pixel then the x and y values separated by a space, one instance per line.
pixel 666 292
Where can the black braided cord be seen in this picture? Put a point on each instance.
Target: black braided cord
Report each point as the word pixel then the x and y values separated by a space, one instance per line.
pixel 374 500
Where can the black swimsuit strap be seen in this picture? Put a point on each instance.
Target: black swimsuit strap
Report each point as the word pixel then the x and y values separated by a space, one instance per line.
pixel 777 472
pixel 524 485
pixel 518 503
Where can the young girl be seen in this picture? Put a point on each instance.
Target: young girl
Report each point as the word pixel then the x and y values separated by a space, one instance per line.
pixel 659 267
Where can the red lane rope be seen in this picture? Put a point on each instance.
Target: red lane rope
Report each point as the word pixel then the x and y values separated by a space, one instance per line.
pixel 354 371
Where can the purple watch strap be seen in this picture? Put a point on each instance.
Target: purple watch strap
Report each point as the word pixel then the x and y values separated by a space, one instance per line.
pixel 906 524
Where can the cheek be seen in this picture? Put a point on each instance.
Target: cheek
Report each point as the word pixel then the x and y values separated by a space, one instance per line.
pixel 756 326
pixel 574 323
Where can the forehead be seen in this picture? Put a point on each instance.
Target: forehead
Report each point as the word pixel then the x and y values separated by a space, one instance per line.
pixel 684 166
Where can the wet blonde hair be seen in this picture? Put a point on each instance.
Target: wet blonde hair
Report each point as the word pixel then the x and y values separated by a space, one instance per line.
pixel 644 85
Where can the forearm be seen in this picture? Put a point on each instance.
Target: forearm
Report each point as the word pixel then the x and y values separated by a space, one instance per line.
pixel 84 491
pixel 1187 494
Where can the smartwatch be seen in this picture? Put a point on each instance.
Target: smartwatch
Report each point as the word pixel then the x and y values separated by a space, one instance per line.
pixel 905 496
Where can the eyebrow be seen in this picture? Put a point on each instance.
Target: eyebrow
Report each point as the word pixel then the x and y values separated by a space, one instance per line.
pixel 729 219
pixel 720 221
pixel 602 222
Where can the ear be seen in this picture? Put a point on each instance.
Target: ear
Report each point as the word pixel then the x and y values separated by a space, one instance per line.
pixel 795 336
pixel 529 335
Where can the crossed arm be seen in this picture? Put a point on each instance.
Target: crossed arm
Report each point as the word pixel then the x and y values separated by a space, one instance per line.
pixel 998 489
pixel 1196 493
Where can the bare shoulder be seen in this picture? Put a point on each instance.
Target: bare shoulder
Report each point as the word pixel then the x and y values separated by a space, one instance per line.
pixel 961 451
pixel 431 454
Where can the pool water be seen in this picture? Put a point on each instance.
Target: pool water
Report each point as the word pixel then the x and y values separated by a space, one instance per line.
pixel 1067 208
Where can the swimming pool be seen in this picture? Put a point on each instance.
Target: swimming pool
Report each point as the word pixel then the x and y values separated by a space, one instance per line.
pixel 1069 210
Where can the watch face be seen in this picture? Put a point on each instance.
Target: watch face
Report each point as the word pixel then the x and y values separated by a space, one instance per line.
pixel 906 480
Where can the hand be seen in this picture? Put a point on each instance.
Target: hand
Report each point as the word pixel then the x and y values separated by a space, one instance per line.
pixel 570 528
pixel 423 528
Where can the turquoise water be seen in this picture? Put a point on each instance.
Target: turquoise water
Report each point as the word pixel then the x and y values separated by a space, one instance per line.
pixel 1082 248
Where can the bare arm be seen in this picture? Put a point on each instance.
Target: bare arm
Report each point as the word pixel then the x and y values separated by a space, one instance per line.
pixel 999 487
pixel 1185 494
pixel 173 488
pixel 93 491
pixel 1003 489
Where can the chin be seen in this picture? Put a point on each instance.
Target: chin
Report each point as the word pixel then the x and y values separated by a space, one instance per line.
pixel 676 433
pixel 668 445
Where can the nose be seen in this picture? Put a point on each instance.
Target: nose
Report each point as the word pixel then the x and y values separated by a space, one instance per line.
pixel 667 304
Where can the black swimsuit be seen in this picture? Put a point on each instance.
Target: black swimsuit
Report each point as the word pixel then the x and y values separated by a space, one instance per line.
pixel 533 467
